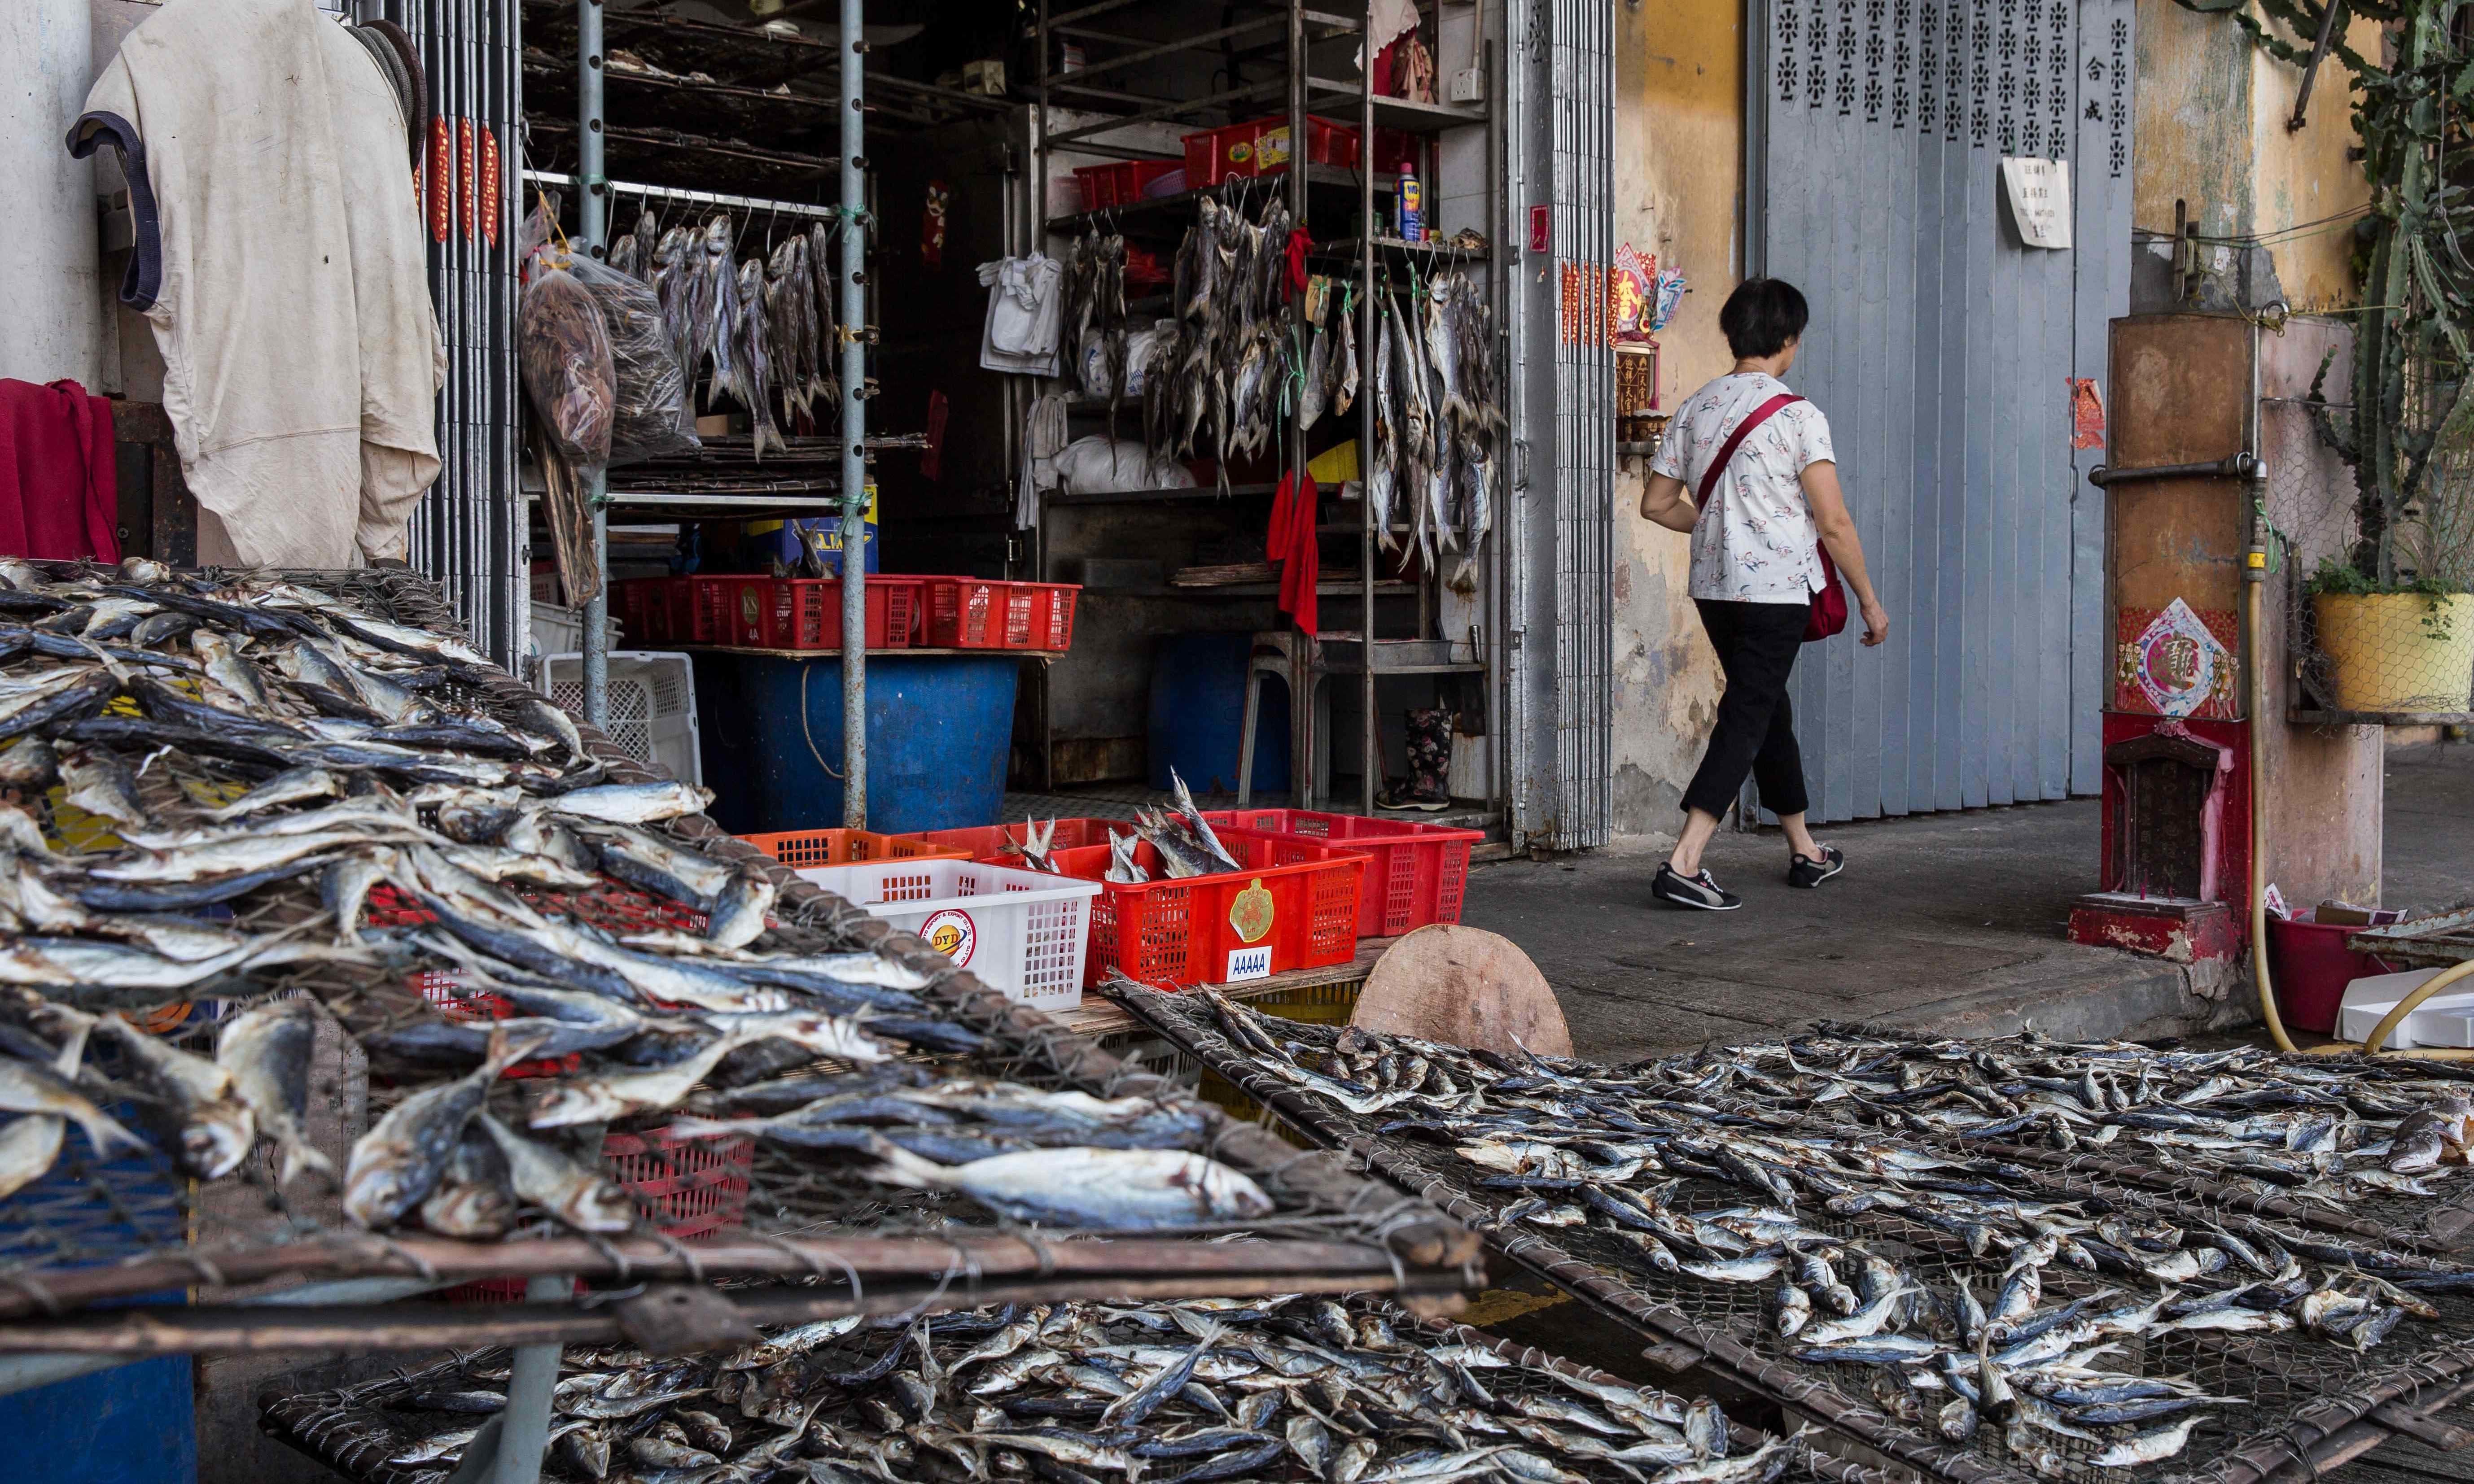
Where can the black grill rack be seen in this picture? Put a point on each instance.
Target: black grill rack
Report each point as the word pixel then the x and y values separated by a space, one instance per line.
pixel 2313 1402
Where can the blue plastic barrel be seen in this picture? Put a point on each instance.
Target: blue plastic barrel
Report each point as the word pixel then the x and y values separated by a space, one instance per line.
pixel 939 727
pixel 131 1424
pixel 1199 715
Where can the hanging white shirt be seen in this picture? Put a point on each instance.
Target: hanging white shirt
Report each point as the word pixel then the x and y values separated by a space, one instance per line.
pixel 1026 306
pixel 1754 541
pixel 280 261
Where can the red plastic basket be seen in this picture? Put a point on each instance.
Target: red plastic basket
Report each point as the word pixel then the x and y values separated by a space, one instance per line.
pixel 708 602
pixel 1415 873
pixel 986 843
pixel 1260 146
pixel 969 613
pixel 801 849
pixel 689 1188
pixel 806 612
pixel 1121 183
pixel 1295 906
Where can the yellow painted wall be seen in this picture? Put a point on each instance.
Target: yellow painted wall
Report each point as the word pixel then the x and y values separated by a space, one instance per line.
pixel 1678 184
pixel 2212 114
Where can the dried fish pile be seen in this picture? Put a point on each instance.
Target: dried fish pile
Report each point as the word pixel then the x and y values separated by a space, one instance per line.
pixel 765 327
pixel 1980 1299
pixel 1439 414
pixel 240 790
pixel 1270 1389
pixel 2329 1134
pixel 1215 389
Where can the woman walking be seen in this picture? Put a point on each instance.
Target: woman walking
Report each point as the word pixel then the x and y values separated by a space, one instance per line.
pixel 1747 469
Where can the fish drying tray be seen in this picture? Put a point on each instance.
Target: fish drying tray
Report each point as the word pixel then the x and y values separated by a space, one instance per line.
pixel 2315 1405
pixel 827 1242
pixel 358 1429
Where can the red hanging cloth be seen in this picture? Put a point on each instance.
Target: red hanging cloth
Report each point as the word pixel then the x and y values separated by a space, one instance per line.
pixel 1291 542
pixel 1299 245
pixel 60 491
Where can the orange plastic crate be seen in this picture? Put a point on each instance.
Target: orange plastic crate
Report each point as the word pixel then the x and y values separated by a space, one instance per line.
pixel 1415 875
pixel 1293 906
pixel 801 849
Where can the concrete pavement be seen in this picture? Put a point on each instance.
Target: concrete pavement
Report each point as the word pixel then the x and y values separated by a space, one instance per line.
pixel 1950 922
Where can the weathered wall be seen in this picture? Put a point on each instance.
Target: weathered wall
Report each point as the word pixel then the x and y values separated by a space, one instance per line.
pixel 2212 115
pixel 1679 192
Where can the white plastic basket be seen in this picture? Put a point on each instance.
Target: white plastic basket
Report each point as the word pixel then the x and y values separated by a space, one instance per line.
pixel 560 630
pixel 1023 932
pixel 652 706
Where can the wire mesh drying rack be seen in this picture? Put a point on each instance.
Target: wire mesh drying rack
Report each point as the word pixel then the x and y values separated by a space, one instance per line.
pixel 2314 1406
pixel 356 1430
pixel 814 1247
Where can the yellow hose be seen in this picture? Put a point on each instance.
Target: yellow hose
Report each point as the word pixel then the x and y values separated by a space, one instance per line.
pixel 2371 1044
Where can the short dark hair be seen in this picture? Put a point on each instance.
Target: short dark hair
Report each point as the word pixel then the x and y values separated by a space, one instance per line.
pixel 1762 316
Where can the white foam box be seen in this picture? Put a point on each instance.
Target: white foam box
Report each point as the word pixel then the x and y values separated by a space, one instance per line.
pixel 2441 1020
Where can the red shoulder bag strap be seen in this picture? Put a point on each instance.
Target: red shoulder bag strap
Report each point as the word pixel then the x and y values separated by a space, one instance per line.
pixel 1734 440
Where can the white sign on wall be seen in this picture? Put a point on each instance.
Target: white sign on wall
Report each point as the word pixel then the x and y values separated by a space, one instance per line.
pixel 2040 198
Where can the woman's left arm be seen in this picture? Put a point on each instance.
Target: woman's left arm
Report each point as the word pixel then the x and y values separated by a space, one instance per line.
pixel 1837 530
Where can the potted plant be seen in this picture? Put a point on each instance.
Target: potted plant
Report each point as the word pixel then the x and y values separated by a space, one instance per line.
pixel 2402 644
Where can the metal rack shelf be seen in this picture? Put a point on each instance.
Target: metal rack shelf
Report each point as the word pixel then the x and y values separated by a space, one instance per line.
pixel 1141 211
pixel 1154 496
pixel 1407 113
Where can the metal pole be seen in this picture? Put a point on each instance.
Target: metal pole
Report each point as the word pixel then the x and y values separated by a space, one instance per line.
pixel 591 211
pixel 524 1426
pixel 1369 760
pixel 854 488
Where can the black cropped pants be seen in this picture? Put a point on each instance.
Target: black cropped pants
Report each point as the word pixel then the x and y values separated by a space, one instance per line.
pixel 1757 644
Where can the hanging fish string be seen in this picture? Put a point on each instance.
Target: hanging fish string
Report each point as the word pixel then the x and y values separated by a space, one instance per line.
pixel 1279 1388
pixel 1981 1298
pixel 243 792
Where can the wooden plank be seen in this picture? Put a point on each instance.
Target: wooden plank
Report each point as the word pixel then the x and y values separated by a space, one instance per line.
pixel 1098 1016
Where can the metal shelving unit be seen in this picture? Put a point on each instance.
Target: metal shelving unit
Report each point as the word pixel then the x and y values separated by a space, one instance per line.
pixel 1346 197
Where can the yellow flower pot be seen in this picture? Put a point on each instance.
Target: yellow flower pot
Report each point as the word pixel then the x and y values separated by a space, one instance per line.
pixel 2398 652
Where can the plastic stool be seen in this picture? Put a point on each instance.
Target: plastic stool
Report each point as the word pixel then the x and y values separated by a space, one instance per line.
pixel 1288 656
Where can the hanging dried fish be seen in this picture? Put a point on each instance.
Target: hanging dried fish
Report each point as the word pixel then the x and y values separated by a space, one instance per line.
pixel 751 355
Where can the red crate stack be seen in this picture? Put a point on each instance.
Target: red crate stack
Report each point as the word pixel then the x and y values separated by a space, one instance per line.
pixel 1415 874
pixel 1293 906
pixel 806 612
pixel 1121 183
pixel 969 613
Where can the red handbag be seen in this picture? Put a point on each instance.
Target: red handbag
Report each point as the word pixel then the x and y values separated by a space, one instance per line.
pixel 1828 614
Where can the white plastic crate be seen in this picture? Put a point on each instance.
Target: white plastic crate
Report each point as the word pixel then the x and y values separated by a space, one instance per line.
pixel 652 706
pixel 1023 932
pixel 560 630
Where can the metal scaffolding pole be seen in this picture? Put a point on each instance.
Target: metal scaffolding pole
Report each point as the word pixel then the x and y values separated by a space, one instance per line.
pixel 855 502
pixel 592 211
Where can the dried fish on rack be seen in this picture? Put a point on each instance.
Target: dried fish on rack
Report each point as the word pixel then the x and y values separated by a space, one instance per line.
pixel 1274 1388
pixel 1976 1299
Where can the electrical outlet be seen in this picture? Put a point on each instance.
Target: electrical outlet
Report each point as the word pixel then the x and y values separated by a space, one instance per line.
pixel 1468 85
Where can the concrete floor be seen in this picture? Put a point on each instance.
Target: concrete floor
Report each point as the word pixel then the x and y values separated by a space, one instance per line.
pixel 1951 922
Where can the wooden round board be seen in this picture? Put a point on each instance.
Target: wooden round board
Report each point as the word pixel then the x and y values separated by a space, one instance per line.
pixel 1466 986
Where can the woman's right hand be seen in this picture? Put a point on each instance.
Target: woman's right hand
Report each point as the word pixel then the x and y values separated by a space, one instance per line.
pixel 1877 621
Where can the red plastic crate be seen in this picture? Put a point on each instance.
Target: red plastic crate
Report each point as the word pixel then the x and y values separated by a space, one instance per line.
pixel 629 601
pixel 1260 146
pixel 806 612
pixel 709 603
pixel 1121 183
pixel 1296 899
pixel 969 613
pixel 689 1188
pixel 986 843
pixel 1415 873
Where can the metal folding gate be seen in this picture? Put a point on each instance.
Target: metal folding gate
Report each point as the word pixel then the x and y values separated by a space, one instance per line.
pixel 1558 531
pixel 1943 351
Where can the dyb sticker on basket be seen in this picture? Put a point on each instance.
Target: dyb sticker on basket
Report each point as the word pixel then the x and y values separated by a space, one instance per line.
pixel 951 933
pixel 1250 913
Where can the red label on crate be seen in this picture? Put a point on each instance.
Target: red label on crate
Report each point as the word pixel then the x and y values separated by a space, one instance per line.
pixel 1251 911
pixel 467 178
pixel 441 180
pixel 489 208
pixel 951 933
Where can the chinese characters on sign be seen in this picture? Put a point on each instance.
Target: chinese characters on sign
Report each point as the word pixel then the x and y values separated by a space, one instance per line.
pixel 2040 198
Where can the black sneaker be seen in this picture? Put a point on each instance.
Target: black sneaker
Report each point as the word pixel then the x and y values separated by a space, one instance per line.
pixel 1806 871
pixel 1696 891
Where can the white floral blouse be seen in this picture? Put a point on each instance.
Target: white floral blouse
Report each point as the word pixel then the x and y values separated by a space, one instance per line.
pixel 1756 543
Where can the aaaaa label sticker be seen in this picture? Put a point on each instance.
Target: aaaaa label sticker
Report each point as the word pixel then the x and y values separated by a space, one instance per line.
pixel 1250 914
pixel 951 933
